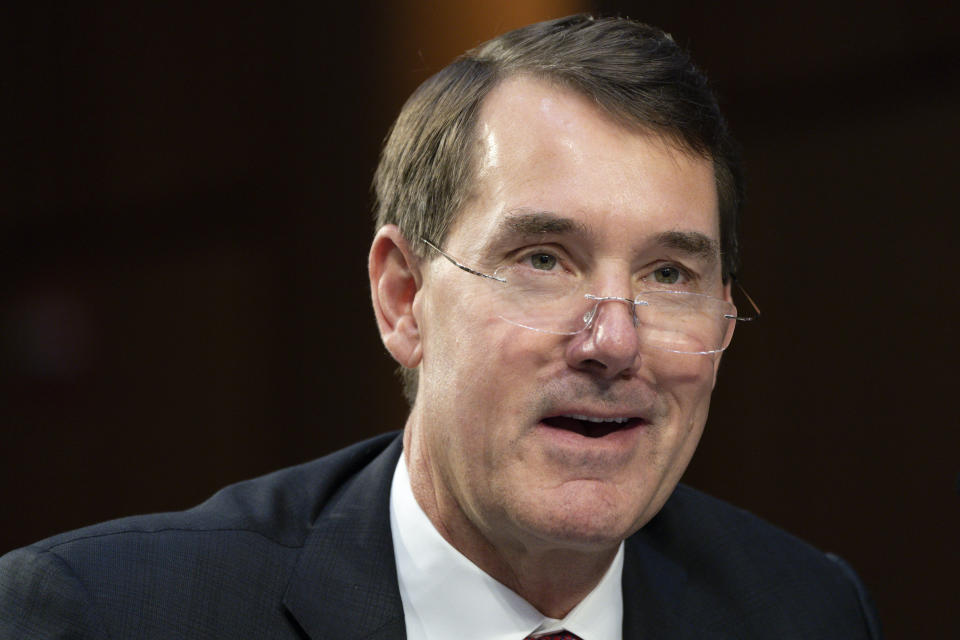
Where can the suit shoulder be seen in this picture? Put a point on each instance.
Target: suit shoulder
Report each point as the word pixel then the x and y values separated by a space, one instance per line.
pixel 278 506
pixel 718 526
pixel 748 573
pixel 226 562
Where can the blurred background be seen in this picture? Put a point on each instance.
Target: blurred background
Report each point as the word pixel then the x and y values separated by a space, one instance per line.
pixel 185 216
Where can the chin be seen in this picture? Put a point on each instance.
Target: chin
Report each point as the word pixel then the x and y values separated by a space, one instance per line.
pixel 586 518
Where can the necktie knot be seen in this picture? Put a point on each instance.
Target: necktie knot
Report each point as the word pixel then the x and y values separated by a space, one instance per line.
pixel 560 635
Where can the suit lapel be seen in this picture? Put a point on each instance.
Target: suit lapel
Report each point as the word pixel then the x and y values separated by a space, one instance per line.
pixel 345 582
pixel 653 595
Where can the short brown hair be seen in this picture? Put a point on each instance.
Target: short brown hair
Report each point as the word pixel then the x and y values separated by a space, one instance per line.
pixel 634 72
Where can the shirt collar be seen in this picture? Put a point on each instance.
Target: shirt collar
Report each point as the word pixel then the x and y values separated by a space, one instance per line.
pixel 479 607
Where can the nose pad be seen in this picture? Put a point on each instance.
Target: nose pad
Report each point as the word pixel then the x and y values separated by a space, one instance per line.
pixel 591 314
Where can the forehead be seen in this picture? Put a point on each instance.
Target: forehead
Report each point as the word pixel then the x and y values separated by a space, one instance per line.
pixel 547 148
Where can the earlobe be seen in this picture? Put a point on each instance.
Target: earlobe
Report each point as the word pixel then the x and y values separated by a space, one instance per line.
pixel 394 283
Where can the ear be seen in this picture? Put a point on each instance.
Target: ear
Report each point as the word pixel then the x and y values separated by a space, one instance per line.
pixel 394 282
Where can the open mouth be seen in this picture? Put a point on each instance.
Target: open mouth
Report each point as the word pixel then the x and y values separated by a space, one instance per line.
pixel 591 427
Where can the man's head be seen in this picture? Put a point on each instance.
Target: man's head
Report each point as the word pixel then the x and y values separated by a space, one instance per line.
pixel 523 438
pixel 634 72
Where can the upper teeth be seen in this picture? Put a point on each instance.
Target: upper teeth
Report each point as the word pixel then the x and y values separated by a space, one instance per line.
pixel 592 419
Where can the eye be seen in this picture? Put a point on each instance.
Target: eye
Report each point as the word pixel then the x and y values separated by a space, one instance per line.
pixel 667 275
pixel 543 261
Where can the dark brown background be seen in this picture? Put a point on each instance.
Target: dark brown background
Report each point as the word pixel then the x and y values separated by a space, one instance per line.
pixel 184 219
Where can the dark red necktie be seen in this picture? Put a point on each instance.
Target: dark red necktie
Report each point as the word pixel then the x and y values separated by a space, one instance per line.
pixel 560 635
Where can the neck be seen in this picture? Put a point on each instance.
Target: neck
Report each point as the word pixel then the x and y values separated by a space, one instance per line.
pixel 551 576
pixel 553 582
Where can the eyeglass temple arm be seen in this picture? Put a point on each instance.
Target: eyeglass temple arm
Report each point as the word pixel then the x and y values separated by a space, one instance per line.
pixel 750 299
pixel 458 264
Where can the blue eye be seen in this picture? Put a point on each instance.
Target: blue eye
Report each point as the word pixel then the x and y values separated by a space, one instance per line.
pixel 543 261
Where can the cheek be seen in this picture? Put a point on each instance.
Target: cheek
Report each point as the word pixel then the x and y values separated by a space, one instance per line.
pixel 688 383
pixel 489 376
pixel 483 386
pixel 688 378
pixel 461 364
pixel 478 351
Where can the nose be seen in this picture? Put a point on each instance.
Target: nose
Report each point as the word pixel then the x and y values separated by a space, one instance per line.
pixel 609 346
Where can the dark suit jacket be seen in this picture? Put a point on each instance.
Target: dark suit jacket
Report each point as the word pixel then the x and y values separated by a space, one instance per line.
pixel 307 552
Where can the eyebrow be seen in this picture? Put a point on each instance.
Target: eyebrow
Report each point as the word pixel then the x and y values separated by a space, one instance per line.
pixel 691 242
pixel 530 222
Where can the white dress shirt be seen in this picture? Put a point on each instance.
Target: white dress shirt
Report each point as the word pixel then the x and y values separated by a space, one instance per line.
pixel 446 596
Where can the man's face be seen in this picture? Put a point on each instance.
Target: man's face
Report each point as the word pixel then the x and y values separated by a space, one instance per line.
pixel 506 419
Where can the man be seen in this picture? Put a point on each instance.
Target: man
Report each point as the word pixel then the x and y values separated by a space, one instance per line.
pixel 553 269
